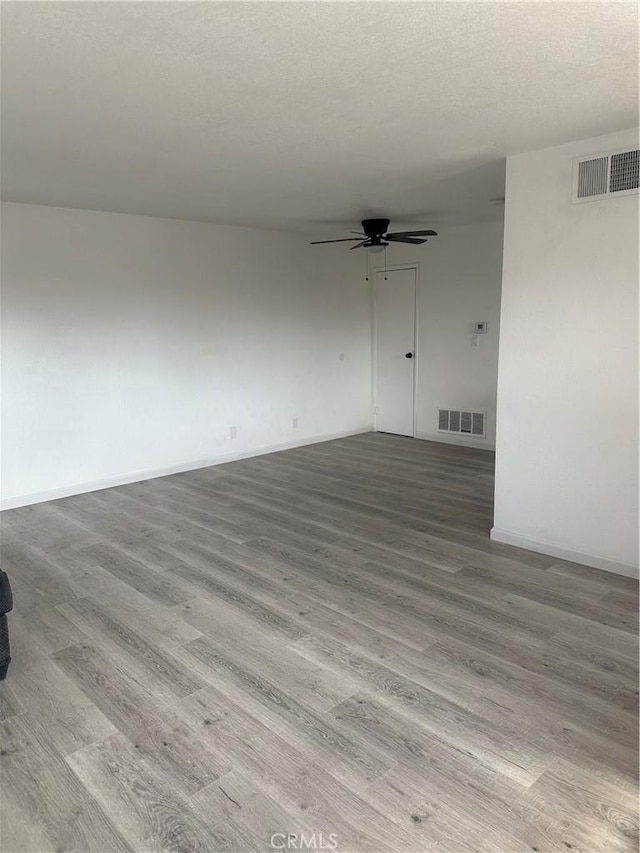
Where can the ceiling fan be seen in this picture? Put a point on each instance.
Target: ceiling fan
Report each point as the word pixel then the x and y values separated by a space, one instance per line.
pixel 375 236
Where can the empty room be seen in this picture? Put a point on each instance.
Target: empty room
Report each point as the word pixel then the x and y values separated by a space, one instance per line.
pixel 319 469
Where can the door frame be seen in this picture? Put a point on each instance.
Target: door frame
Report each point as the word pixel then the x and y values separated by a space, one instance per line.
pixel 374 339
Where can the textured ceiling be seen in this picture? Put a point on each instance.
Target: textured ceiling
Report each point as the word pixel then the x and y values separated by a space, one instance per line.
pixel 302 115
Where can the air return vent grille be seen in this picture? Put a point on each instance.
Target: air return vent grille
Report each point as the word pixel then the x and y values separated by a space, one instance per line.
pixel 606 175
pixel 625 172
pixel 461 422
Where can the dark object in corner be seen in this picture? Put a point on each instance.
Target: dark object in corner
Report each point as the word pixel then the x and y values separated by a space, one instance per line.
pixel 6 604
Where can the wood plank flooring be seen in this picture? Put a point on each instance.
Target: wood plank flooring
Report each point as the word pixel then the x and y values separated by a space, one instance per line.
pixel 321 642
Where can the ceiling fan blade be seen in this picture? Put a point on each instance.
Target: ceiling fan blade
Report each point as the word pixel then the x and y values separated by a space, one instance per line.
pixel 358 245
pixel 361 233
pixel 343 240
pixel 400 238
pixel 426 233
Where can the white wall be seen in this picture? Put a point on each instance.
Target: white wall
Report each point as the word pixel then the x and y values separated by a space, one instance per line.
pixel 132 344
pixel 459 281
pixel 567 444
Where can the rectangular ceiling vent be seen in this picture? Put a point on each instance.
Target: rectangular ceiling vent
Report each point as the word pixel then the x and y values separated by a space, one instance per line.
pixel 600 176
pixel 461 422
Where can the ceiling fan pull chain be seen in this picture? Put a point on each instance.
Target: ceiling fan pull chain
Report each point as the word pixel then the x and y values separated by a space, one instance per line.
pixel 366 266
pixel 385 263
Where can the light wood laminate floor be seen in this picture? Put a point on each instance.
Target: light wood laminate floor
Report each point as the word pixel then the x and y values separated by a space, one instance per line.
pixel 321 642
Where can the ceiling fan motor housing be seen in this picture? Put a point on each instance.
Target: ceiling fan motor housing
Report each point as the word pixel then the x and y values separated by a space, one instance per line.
pixel 375 227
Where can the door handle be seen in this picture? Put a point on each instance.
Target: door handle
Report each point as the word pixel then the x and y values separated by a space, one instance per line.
pixel 408 355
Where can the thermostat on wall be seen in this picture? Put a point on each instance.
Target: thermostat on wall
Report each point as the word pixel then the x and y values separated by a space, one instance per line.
pixel 480 328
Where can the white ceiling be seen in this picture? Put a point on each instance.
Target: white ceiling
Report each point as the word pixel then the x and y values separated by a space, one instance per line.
pixel 302 115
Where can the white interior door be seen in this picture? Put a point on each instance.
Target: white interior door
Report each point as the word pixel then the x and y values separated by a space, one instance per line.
pixel 395 311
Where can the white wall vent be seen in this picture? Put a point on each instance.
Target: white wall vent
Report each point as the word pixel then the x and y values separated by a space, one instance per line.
pixel 606 175
pixel 462 422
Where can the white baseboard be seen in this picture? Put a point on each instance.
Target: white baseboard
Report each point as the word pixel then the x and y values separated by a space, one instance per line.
pixel 460 440
pixel 594 560
pixel 136 477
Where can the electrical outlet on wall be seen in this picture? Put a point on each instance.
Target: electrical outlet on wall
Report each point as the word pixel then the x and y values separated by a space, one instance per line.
pixel 232 432
pixel 294 423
